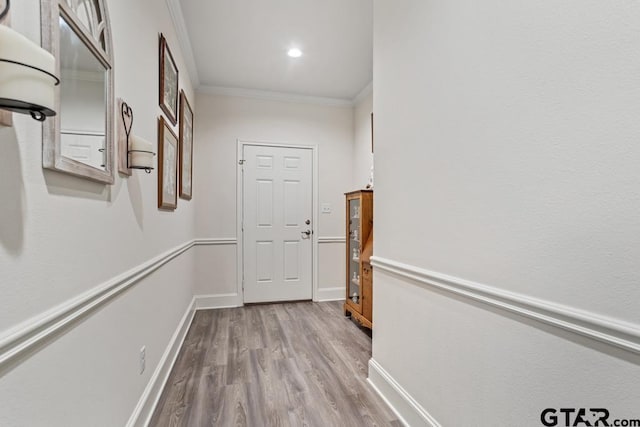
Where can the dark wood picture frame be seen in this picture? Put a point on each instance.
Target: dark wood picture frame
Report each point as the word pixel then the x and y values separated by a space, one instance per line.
pixel 186 147
pixel 167 180
pixel 168 82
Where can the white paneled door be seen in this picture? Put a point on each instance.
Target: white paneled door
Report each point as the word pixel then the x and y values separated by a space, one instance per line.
pixel 277 223
pixel 85 147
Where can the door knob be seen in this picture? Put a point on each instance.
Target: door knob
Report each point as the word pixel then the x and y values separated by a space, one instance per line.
pixel 306 234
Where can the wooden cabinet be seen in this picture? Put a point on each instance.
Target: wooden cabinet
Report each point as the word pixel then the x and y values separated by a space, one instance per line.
pixel 359 280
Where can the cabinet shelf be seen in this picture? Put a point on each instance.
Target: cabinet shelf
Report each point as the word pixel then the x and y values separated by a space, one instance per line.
pixel 359 228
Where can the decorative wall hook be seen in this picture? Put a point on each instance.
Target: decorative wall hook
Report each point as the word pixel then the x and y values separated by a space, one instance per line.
pixel 139 152
pixel 127 113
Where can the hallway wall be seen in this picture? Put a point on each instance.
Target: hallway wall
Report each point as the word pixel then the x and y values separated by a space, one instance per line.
pixel 62 239
pixel 362 156
pixel 225 119
pixel 506 273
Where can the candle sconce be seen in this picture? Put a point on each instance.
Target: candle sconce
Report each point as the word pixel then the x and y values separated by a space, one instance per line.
pixel 138 151
pixel 27 71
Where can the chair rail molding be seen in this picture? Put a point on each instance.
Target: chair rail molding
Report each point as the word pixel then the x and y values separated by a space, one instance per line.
pixel 213 241
pixel 607 330
pixel 332 239
pixel 33 331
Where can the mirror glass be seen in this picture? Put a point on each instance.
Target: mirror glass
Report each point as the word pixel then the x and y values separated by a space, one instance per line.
pixel 82 100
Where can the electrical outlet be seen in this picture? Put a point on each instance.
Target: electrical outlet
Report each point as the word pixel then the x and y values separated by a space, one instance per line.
pixel 326 208
pixel 143 359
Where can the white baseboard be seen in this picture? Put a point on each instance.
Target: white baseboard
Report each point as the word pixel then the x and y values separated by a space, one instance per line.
pixel 146 405
pixel 206 302
pixel 403 405
pixel 330 294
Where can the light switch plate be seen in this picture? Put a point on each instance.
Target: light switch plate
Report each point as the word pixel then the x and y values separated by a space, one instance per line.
pixel 326 208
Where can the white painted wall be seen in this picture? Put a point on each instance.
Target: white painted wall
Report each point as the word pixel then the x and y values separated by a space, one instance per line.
pixel 61 236
pixel 508 134
pixel 221 121
pixel 362 156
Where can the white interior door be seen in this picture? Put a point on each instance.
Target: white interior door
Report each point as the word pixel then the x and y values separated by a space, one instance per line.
pixel 84 147
pixel 277 214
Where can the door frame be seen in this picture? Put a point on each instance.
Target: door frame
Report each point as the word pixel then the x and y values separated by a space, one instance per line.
pixel 315 217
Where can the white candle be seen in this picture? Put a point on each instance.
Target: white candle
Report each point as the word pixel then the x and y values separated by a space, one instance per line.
pixel 138 144
pixel 141 160
pixel 141 154
pixel 22 83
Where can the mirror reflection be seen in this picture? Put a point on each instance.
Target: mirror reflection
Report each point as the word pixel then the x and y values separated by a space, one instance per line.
pixel 88 14
pixel 83 101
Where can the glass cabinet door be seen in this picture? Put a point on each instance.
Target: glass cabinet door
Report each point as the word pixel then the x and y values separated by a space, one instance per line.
pixel 354 251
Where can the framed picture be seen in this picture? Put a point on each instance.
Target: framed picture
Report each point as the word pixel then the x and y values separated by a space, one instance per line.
pixel 186 147
pixel 167 166
pixel 168 82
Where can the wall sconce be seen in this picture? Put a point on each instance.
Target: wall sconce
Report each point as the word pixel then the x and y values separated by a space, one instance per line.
pixel 27 79
pixel 139 151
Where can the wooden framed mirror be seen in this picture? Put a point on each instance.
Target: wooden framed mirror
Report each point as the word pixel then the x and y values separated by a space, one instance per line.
pixel 79 140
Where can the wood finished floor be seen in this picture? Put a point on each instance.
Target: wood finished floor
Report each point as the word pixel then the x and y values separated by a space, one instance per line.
pixel 293 364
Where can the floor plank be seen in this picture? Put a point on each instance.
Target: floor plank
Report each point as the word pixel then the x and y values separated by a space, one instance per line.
pixel 276 365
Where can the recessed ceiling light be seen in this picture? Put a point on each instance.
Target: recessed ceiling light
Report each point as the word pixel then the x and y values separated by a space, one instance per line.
pixel 294 52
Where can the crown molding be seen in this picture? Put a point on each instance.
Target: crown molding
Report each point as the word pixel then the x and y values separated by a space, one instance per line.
pixel 274 96
pixel 177 17
pixel 366 91
pixel 175 10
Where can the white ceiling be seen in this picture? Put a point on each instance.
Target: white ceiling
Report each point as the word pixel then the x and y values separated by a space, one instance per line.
pixel 244 43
